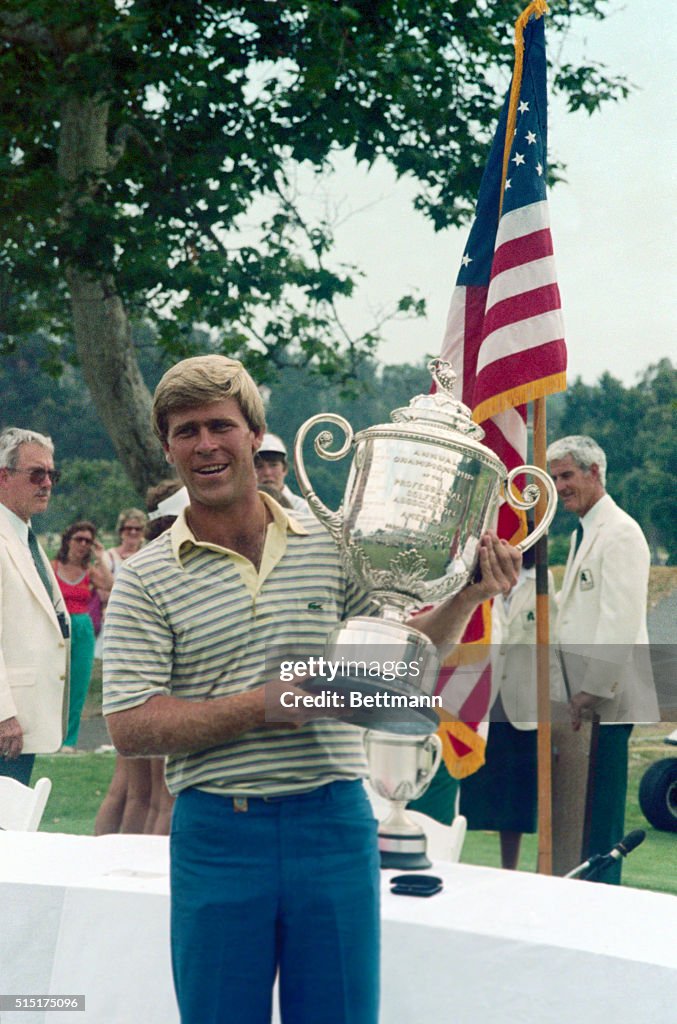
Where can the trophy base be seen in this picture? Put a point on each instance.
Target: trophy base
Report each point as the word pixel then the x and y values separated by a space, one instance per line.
pixel 405 852
pixel 374 706
pixel 404 861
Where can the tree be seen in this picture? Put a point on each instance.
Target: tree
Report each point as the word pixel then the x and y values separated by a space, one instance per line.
pixel 30 399
pixel 376 391
pixel 637 428
pixel 94 489
pixel 139 134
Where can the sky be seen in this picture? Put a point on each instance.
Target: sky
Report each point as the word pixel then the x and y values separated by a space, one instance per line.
pixel 613 221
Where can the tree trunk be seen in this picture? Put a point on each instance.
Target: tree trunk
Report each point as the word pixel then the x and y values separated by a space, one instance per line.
pixel 112 374
pixel 101 325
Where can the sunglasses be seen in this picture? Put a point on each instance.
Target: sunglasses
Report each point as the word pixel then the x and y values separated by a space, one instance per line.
pixel 132 529
pixel 82 540
pixel 38 476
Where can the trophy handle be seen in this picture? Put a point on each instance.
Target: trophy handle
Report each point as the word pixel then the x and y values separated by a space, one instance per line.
pixel 333 521
pixel 530 497
pixel 434 744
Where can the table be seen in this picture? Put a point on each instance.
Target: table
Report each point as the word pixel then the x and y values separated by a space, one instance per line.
pixel 85 915
pixel 91 915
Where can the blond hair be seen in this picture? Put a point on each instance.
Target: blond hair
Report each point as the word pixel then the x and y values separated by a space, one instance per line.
pixel 136 514
pixel 201 380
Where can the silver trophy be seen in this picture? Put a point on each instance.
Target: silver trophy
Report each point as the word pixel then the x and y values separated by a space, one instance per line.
pixel 420 493
pixel 401 769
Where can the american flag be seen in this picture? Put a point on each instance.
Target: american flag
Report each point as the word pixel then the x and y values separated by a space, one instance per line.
pixel 504 334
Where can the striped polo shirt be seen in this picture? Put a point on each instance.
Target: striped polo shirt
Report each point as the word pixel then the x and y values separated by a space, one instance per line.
pixel 196 621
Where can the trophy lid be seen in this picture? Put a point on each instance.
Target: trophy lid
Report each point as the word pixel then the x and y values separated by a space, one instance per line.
pixel 440 407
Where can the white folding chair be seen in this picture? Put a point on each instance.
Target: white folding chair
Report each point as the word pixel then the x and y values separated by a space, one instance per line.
pixel 22 807
pixel 445 842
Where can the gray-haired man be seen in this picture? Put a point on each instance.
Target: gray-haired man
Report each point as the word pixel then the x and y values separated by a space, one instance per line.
pixel 601 626
pixel 33 617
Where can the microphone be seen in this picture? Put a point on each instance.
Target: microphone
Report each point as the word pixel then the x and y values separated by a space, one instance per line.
pixel 598 862
pixel 628 844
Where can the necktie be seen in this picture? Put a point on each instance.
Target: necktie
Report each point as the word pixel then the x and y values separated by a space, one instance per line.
pixel 39 564
pixel 579 537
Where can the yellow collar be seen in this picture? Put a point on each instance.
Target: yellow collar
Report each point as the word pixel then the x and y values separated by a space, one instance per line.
pixel 283 523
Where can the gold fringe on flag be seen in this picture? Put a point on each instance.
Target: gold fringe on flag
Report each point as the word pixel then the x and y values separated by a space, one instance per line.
pixel 538 8
pixel 460 765
pixel 519 396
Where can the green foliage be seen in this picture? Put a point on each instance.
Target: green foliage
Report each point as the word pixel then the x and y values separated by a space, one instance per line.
pixel 95 489
pixel 635 425
pixel 372 395
pixel 588 86
pixel 193 121
pixel 56 403
pixel 558 548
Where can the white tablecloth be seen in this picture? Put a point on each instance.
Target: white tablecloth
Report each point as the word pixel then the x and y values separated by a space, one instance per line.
pixel 87 916
pixel 90 916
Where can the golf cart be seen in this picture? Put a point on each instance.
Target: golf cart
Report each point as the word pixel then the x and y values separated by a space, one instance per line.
pixel 658 791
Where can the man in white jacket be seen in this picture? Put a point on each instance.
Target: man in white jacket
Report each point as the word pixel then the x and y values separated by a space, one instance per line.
pixel 601 625
pixel 502 795
pixel 33 619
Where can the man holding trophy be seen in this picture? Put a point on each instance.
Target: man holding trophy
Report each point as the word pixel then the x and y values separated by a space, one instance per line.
pixel 274 862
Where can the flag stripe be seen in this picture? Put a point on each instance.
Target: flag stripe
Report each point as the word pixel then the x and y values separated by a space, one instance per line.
pixel 532 303
pixel 506 342
pixel 504 332
pixel 510 456
pixel 501 378
pixel 512 424
pixel 533 246
pixel 456 329
pixel 523 220
pixel 475 304
pixel 476 706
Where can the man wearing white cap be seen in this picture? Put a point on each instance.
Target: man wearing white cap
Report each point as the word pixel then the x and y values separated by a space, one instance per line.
pixel 272 468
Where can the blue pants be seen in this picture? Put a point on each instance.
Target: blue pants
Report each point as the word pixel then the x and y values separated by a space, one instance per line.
pixel 20 768
pixel 289 884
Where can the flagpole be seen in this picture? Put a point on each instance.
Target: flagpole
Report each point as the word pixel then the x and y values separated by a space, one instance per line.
pixel 544 741
pixel 507 277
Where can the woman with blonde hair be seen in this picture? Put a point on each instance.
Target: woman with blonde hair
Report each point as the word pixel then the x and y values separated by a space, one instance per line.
pixel 130 527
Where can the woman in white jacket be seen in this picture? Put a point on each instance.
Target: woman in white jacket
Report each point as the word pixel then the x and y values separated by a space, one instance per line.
pixel 502 795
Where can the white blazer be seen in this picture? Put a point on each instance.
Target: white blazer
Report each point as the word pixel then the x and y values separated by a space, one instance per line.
pixel 514 656
pixel 601 624
pixel 33 654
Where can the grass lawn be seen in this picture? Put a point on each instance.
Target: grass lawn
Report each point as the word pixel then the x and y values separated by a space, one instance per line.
pixel 79 783
pixel 653 865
